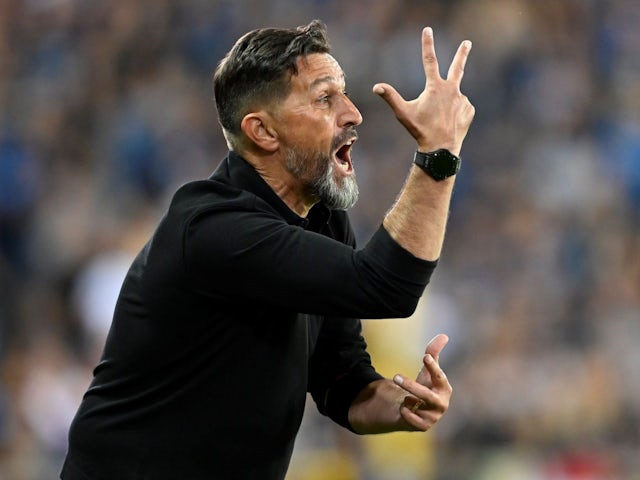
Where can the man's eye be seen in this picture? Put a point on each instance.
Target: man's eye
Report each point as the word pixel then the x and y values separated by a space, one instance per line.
pixel 324 99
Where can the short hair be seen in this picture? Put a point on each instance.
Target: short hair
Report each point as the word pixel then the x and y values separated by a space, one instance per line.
pixel 258 70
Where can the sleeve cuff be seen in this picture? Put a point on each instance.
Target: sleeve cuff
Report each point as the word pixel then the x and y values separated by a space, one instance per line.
pixel 342 394
pixel 384 250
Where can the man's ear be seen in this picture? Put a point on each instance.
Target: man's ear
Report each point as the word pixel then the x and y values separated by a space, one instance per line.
pixel 256 127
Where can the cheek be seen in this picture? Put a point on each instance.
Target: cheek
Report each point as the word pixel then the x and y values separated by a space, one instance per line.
pixel 323 134
pixel 309 131
pixel 314 137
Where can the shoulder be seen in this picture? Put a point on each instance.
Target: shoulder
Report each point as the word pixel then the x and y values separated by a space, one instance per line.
pixel 195 198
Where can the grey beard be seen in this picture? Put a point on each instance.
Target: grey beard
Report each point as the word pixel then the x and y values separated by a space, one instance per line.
pixel 334 196
pixel 322 183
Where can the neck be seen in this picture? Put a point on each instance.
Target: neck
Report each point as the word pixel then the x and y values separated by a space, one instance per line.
pixel 272 169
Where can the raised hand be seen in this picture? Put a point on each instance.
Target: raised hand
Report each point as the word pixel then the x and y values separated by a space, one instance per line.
pixel 441 115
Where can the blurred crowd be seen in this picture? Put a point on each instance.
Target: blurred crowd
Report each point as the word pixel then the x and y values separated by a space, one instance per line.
pixel 106 107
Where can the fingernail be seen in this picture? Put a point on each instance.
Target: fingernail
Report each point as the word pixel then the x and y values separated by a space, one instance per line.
pixel 378 90
pixel 397 380
pixel 428 358
pixel 428 31
pixel 468 44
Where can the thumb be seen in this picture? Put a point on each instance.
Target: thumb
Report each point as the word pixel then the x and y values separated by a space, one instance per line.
pixel 435 346
pixel 390 95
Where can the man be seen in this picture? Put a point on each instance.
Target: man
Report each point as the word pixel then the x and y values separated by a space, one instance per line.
pixel 250 291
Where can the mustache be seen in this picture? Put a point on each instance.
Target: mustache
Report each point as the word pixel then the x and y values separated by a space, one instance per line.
pixel 347 134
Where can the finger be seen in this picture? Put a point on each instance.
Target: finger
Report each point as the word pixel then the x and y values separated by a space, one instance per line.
pixel 433 397
pixel 424 412
pixel 429 59
pixel 435 346
pixel 438 378
pixel 456 69
pixel 423 421
pixel 391 96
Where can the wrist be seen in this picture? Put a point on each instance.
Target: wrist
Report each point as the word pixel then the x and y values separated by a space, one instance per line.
pixel 376 409
pixel 426 147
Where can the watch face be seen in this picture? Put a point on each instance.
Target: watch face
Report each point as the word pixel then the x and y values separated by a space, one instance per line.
pixel 439 165
pixel 443 164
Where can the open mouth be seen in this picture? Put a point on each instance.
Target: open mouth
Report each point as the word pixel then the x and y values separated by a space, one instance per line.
pixel 343 156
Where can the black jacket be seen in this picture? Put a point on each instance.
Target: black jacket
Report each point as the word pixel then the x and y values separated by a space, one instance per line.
pixel 234 310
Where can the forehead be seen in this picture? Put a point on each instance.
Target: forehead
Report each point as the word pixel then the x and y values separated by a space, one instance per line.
pixel 316 69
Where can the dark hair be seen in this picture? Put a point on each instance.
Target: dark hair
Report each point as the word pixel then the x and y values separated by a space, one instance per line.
pixel 258 69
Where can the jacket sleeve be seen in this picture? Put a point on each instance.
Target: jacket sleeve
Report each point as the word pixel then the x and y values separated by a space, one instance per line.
pixel 339 368
pixel 245 254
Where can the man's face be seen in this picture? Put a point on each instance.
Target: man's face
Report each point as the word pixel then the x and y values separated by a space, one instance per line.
pixel 317 129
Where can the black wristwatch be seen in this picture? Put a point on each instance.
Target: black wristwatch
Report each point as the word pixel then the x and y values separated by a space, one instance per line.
pixel 439 164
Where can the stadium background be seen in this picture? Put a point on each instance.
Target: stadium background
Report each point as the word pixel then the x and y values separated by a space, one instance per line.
pixel 105 108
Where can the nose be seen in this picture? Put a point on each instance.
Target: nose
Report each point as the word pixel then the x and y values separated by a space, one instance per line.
pixel 351 116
